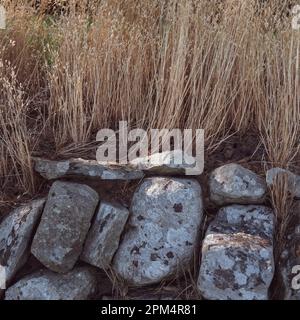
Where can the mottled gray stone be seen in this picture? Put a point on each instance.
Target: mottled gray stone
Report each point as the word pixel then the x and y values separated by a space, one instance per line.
pixel 174 162
pixel 293 181
pixel 64 225
pixel 233 183
pixel 16 232
pixel 79 284
pixel 80 168
pixel 237 254
pixel 162 231
pixel 290 257
pixel 104 236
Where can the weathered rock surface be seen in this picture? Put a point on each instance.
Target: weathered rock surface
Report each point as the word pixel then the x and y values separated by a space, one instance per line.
pixel 237 254
pixel 290 257
pixel 104 236
pixel 52 170
pixel 293 181
pixel 64 225
pixel 79 284
pixel 233 183
pixel 174 162
pixel 162 231
pixel 16 236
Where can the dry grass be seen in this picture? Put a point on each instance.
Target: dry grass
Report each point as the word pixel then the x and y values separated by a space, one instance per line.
pixel 224 66
pixel 68 70
pixel 282 202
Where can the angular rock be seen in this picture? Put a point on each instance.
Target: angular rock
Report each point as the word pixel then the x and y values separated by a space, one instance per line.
pixel 174 162
pixel 237 254
pixel 162 231
pixel 16 232
pixel 79 284
pixel 290 257
pixel 64 225
pixel 233 183
pixel 104 236
pixel 293 181
pixel 52 170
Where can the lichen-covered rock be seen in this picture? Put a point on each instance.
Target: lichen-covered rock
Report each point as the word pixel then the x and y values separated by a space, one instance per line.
pixel 79 284
pixel 162 231
pixel 293 181
pixel 290 257
pixel 174 162
pixel 237 255
pixel 52 170
pixel 16 236
pixel 233 183
pixel 64 225
pixel 104 236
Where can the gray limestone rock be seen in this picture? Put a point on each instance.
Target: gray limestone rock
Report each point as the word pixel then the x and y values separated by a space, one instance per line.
pixel 233 183
pixel 237 254
pixel 64 225
pixel 162 231
pixel 104 236
pixel 16 233
pixel 167 163
pixel 91 169
pixel 79 284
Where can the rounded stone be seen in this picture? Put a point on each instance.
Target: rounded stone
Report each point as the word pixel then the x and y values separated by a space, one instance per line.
pixel 162 232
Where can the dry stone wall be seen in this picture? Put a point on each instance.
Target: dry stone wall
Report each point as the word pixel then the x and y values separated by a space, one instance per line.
pixel 74 234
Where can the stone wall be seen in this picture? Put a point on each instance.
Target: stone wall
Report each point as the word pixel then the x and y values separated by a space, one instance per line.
pixel 78 238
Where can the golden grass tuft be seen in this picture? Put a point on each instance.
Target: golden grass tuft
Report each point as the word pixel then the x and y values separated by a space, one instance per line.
pixel 75 67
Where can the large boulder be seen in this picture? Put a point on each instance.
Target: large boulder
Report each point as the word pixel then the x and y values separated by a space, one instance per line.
pixel 79 284
pixel 293 181
pixel 88 169
pixel 162 231
pixel 237 254
pixel 233 183
pixel 104 236
pixel 16 232
pixel 64 225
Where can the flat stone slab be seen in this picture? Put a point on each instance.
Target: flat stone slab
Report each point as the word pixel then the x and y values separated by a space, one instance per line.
pixel 293 181
pixel 64 225
pixel 53 170
pixel 16 232
pixel 79 284
pixel 167 163
pixel 233 183
pixel 162 230
pixel 237 254
pixel 104 236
